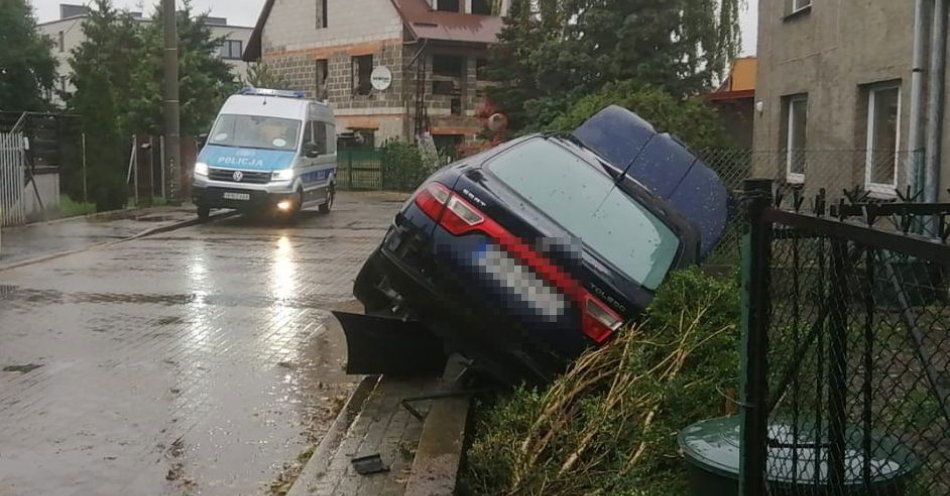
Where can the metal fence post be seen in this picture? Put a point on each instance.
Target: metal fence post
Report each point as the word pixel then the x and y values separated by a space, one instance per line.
pixel 838 364
pixel 756 255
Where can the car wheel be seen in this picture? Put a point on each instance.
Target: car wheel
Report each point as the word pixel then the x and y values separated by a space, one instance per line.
pixel 331 195
pixel 204 212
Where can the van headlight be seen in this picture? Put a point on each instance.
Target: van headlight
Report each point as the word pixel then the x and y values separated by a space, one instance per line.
pixel 201 169
pixel 282 175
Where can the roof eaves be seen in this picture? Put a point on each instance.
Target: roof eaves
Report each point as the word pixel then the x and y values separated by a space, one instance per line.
pixel 252 52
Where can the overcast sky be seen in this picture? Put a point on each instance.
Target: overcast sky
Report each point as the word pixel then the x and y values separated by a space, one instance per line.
pixel 245 12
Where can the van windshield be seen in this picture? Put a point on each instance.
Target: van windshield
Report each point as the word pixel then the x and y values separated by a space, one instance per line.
pixel 253 131
pixel 584 201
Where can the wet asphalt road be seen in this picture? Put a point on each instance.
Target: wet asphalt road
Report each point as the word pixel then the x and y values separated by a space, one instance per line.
pixel 201 361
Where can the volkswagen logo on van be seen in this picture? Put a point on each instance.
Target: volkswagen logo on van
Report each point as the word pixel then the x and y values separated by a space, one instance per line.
pixel 237 176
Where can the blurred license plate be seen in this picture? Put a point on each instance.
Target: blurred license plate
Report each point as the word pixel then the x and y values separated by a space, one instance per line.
pixel 236 196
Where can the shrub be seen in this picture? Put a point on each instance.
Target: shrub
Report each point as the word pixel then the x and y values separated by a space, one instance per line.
pixel 609 425
pixel 692 120
pixel 403 166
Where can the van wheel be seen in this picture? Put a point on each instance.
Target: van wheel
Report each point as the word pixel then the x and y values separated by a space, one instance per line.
pixel 204 212
pixel 331 195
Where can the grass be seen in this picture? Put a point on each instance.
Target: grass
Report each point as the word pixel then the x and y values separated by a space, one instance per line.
pixel 71 208
pixel 609 425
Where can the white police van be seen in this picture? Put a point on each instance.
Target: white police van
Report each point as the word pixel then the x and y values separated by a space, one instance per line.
pixel 268 150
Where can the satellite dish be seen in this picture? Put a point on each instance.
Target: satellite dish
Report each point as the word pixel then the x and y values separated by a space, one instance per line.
pixel 381 78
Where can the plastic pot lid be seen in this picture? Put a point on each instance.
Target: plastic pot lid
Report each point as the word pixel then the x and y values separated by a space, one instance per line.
pixel 714 446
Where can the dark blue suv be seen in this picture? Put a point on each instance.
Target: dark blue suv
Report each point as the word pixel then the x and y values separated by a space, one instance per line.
pixel 523 256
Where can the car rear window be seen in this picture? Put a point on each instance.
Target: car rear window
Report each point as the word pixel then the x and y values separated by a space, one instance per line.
pixel 583 200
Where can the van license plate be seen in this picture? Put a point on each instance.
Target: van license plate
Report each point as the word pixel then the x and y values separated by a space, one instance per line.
pixel 236 196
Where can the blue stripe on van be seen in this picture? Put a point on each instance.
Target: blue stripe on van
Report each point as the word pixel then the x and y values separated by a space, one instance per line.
pixel 246 158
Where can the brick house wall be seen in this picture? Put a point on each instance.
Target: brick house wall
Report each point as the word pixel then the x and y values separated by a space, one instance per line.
pixel 297 47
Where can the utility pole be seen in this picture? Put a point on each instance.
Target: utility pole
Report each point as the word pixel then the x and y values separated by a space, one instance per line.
pixel 172 123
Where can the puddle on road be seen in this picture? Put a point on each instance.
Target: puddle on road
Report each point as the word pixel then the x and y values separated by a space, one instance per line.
pixel 156 218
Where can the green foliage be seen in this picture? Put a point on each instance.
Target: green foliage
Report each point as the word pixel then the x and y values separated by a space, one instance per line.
pixel 102 69
pixel 609 425
pixel 27 67
pixel 117 72
pixel 692 120
pixel 548 58
pixel 205 80
pixel 403 166
pixel 72 208
pixel 262 75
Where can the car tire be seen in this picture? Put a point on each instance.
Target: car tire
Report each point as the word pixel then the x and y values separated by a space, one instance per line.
pixel 331 195
pixel 204 212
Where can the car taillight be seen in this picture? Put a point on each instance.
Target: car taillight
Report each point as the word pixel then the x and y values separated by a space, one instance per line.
pixel 600 322
pixel 432 198
pixel 459 217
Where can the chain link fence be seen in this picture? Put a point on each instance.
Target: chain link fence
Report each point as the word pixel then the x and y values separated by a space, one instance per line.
pixel 848 348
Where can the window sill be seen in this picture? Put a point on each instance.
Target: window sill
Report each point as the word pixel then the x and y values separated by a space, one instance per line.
pixel 802 12
pixel 795 179
pixel 882 191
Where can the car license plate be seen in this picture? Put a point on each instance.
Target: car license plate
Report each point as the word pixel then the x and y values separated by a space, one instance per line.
pixel 228 195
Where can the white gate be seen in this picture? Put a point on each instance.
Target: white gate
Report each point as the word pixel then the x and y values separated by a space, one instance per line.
pixel 12 181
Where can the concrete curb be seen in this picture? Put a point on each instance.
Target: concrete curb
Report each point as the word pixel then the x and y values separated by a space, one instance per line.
pixel 147 232
pixel 121 213
pixel 321 456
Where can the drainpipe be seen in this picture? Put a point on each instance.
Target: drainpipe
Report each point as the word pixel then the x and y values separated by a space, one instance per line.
pixel 915 173
pixel 938 56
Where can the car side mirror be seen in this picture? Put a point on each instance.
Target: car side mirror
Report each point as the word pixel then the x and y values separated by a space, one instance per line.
pixel 311 151
pixel 202 140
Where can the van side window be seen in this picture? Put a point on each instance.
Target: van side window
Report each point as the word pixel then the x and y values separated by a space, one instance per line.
pixel 320 136
pixel 308 134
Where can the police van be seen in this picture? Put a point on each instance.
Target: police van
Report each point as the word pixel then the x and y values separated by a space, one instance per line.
pixel 269 150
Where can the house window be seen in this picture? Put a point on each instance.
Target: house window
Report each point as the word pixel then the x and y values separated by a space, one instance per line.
pixel 447 5
pixel 796 120
pixel 448 66
pixel 322 14
pixel 231 49
pixel 796 6
pixel 322 70
pixel 362 72
pixel 481 7
pixel 62 41
pixel 883 138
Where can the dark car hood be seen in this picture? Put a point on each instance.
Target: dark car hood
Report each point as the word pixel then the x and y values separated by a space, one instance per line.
pixel 662 164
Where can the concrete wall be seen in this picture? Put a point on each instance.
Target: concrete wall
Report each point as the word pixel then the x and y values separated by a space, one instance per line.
pixel 72 37
pixel 47 184
pixel 830 52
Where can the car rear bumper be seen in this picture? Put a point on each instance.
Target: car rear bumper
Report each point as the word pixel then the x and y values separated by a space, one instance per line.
pixel 497 343
pixel 220 197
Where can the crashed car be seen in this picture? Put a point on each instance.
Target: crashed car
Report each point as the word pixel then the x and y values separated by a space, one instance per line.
pixel 522 257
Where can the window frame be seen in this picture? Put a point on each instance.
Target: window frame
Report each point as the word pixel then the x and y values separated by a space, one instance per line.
pixel 790 101
pixel 881 188
pixel 796 7
pixel 226 50
pixel 323 21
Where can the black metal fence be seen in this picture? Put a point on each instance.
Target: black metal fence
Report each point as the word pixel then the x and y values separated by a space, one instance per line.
pixel 846 363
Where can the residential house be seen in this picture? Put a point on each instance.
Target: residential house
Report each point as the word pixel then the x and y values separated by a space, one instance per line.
pixel 734 100
pixel 67 34
pixel 833 93
pixel 392 69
